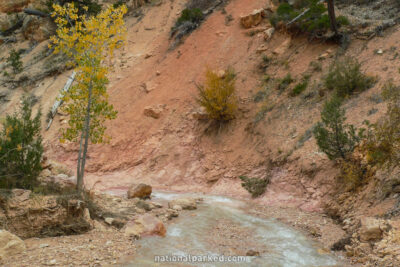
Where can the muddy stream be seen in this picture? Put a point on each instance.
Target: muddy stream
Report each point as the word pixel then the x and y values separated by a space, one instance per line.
pixel 221 227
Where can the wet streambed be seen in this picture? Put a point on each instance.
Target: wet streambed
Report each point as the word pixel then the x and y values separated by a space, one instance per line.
pixel 198 233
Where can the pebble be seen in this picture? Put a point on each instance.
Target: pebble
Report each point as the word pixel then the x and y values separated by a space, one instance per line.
pixel 44 245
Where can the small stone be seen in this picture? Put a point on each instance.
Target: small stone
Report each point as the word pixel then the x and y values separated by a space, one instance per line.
pixel 323 56
pixel 172 213
pixel 370 229
pixel 109 220
pixel 177 207
pixel 185 203
pixel 379 52
pixel 200 114
pixel 252 253
pixel 157 205
pixel 144 205
pixel 153 112
pixel 44 245
pixel 52 262
pixel 268 33
pixel 221 74
pixel 142 191
pixel 252 19
pixel 282 49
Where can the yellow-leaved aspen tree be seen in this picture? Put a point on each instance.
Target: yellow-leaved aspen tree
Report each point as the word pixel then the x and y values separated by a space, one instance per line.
pixel 88 42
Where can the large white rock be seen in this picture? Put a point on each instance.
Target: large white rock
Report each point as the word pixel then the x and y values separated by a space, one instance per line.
pixel 252 19
pixel 146 224
pixel 142 191
pixel 10 244
pixel 185 203
pixel 370 229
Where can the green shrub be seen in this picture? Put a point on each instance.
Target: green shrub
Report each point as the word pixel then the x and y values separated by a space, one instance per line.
pixel 20 148
pixel 285 82
pixel 218 95
pixel 265 62
pixel 194 15
pixel 300 87
pixel 346 78
pixel 313 21
pixel 120 3
pixel 93 7
pixel 335 138
pixel 14 59
pixel 342 21
pixel 383 143
pixel 255 186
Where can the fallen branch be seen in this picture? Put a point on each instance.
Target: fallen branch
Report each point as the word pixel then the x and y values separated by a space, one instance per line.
pixel 301 14
pixel 35 12
pixel 59 100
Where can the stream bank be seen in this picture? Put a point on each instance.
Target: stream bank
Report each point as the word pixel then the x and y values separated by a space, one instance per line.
pixel 219 226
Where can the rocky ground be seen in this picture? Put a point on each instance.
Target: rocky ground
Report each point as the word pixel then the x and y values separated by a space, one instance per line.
pixel 115 224
pixel 99 247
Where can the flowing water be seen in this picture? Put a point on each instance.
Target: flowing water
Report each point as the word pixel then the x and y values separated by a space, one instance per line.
pixel 191 232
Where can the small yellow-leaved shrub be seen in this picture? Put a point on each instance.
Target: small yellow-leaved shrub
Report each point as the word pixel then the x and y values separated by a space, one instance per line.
pixel 218 95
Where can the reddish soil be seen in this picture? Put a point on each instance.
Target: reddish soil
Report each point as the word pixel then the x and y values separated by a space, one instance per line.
pixel 178 152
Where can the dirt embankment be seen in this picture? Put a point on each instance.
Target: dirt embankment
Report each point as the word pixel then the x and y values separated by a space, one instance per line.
pixel 270 137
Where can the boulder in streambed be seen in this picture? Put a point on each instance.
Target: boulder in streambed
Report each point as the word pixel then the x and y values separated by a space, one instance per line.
pixel 10 244
pixel 184 203
pixel 142 191
pixel 371 229
pixel 146 224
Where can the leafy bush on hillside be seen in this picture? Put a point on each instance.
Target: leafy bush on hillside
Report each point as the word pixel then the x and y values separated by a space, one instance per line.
pixel 313 21
pixel 335 138
pixel 285 82
pixel 384 137
pixel 255 186
pixel 20 148
pixel 194 15
pixel 218 95
pixel 93 6
pixel 301 86
pixel 346 78
pixel 14 59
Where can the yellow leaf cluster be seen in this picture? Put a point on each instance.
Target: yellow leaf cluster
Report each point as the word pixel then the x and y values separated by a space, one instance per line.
pixel 218 95
pixel 88 42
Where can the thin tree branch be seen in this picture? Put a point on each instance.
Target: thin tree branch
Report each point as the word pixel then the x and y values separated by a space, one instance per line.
pixel 301 14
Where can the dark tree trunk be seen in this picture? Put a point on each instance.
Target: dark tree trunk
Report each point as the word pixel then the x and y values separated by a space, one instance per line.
pixel 332 16
pixel 85 139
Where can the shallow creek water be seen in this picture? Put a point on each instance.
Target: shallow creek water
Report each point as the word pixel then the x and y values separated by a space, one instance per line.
pixel 192 231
